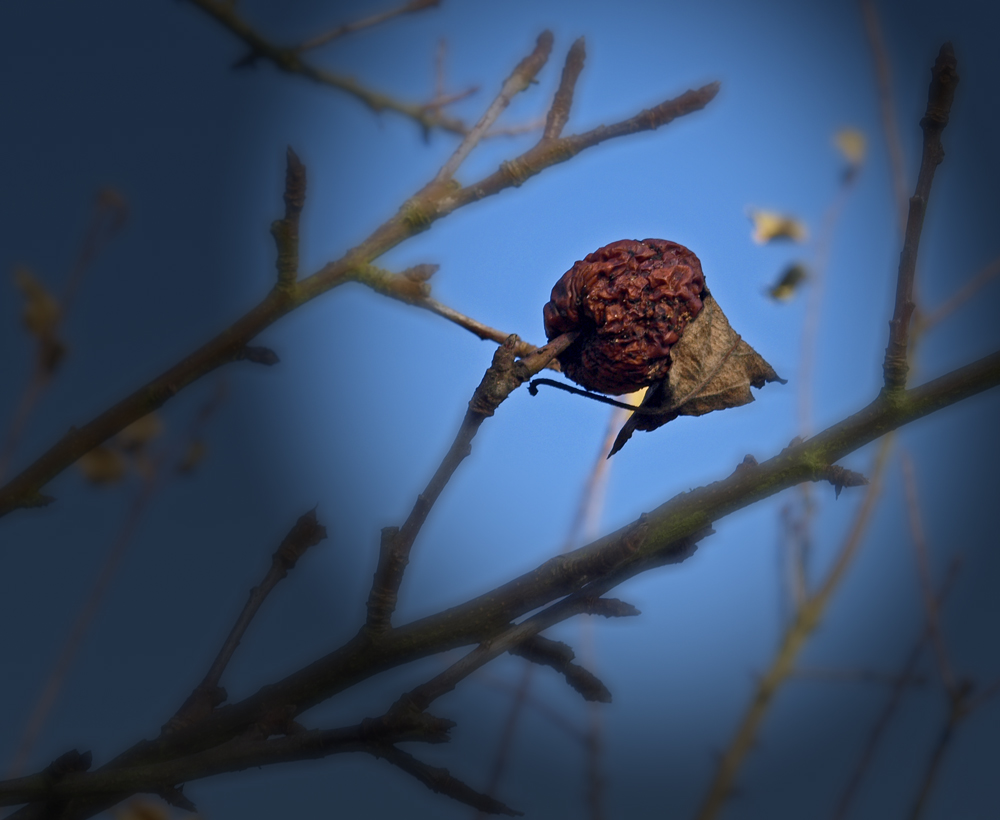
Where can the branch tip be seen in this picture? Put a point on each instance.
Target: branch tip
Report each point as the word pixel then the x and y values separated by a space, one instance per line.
pixel 258 355
pixel 174 796
pixel 563 100
pixel 940 95
pixel 559 656
pixel 295 184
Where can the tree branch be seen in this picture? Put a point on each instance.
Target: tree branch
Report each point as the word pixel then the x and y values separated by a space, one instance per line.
pixel 518 81
pixel 559 656
pixel 305 533
pixel 441 781
pixel 286 231
pixel 940 95
pixel 416 215
pixel 906 676
pixel 367 22
pixel 290 60
pixel 562 103
pixel 666 535
pixel 502 377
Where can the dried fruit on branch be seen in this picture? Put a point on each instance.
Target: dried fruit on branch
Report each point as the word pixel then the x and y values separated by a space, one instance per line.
pixel 646 318
pixel 631 301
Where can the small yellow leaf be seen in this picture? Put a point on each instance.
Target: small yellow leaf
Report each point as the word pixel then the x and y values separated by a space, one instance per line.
pixel 770 225
pixel 41 310
pixel 852 144
pixel 102 465
pixel 140 431
pixel 785 288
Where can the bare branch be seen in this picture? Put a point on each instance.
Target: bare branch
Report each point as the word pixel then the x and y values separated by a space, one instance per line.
pixel 286 231
pixel 967 291
pixel 559 656
pixel 541 707
pixel 807 617
pixel 257 354
pixel 922 558
pixel 619 561
pixel 858 676
pixel 252 749
pixel 367 22
pixel 108 217
pixel 907 674
pixel 503 376
pixel 841 477
pixel 291 61
pixel 81 623
pixel 517 82
pixel 430 204
pixel 939 99
pixel 441 781
pixel 666 535
pixel 986 694
pixel 890 127
pixel 412 289
pixel 305 533
pixel 608 607
pixel 563 102
pixel 521 697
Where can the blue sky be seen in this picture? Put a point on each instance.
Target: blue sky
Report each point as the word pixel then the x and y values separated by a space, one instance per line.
pixel 369 392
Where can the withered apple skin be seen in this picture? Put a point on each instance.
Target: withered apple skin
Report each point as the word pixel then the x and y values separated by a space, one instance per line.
pixel 631 301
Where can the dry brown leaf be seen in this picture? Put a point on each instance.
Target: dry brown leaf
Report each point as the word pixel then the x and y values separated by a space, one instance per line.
pixel 711 368
pixel 791 279
pixel 102 465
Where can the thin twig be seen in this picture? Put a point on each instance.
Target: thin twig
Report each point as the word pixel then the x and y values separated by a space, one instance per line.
pixel 922 559
pixel 439 55
pixel 940 95
pixel 519 79
pixel 305 533
pixel 285 744
pixel 858 676
pixel 57 677
pixel 907 674
pixel 887 110
pixel 433 202
pixel 291 61
pixel 782 667
pixel 584 524
pixel 983 696
pixel 543 709
pixel 108 217
pixel 503 376
pixel 666 535
pixel 559 656
pixel 558 114
pixel 424 695
pixel 798 546
pixel 152 482
pixel 965 293
pixel 505 743
pixel 441 781
pixel 286 231
pixel 367 22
